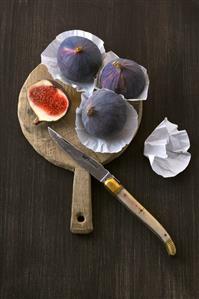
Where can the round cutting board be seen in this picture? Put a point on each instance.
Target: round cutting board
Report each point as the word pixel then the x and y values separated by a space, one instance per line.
pixel 38 137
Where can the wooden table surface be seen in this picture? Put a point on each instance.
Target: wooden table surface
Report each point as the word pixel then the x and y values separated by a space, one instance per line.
pixel 121 259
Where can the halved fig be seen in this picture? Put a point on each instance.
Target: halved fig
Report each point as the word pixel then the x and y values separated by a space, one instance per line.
pixel 49 102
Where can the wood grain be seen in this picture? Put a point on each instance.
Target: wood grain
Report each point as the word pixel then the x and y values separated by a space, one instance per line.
pixel 40 140
pixel 81 209
pixel 39 257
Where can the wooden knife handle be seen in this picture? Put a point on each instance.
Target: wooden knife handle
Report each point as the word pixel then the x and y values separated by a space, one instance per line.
pixel 136 208
pixel 81 210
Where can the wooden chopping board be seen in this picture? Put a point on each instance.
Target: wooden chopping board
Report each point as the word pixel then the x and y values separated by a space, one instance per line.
pixel 38 137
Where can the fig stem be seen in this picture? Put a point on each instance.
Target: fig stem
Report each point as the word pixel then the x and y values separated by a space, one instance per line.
pixel 91 111
pixel 36 121
pixel 117 64
pixel 78 49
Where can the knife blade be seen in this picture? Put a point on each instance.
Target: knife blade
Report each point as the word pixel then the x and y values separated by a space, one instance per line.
pixel 98 171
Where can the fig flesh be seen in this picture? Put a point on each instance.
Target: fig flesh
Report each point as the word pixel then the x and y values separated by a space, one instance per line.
pixel 104 113
pixel 79 59
pixel 123 76
pixel 48 102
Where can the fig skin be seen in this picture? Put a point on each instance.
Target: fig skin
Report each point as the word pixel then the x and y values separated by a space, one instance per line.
pixel 79 59
pixel 123 76
pixel 104 113
pixel 48 100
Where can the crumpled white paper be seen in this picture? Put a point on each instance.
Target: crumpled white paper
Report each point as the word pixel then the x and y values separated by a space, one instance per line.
pixel 110 56
pixel 49 57
pixel 114 143
pixel 167 148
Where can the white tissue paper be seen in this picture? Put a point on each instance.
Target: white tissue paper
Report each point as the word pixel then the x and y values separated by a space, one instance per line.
pixel 167 148
pixel 112 144
pixel 49 57
pixel 110 56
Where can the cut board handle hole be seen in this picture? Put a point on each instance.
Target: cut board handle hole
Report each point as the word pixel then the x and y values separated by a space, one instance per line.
pixel 80 217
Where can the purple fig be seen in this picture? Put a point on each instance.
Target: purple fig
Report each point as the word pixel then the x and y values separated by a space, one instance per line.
pixel 123 76
pixel 79 59
pixel 104 113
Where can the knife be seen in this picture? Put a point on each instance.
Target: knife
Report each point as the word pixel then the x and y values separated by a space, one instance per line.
pixel 98 171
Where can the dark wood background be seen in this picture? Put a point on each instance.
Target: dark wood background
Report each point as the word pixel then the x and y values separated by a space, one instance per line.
pixel 121 259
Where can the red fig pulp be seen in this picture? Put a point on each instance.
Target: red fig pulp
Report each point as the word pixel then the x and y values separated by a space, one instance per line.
pixel 47 101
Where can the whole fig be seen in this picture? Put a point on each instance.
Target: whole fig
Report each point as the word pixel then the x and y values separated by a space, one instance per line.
pixel 123 76
pixel 104 113
pixel 79 59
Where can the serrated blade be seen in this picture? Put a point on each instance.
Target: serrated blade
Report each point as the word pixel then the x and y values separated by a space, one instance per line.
pixel 92 166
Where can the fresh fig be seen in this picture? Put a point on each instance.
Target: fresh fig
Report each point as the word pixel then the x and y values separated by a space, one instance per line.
pixel 104 113
pixel 123 76
pixel 48 101
pixel 79 59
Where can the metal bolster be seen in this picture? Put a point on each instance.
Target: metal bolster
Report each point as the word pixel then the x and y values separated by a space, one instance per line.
pixel 113 185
